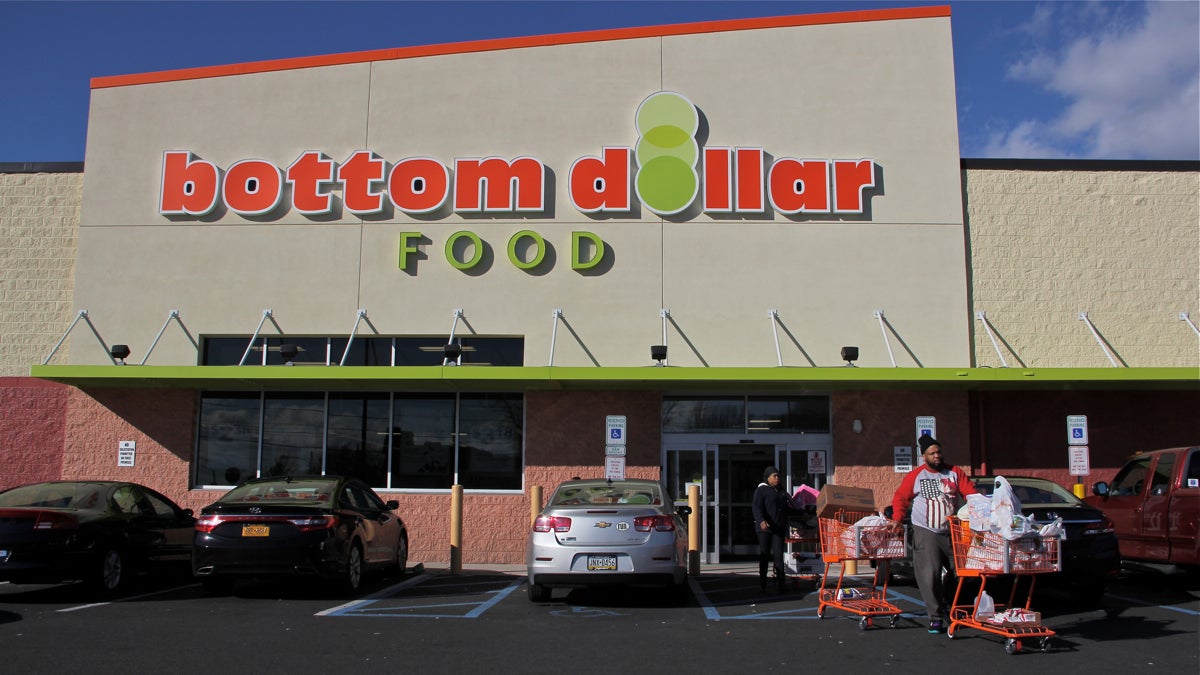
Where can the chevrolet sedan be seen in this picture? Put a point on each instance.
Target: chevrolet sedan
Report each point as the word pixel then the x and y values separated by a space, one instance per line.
pixel 605 533
pixel 328 526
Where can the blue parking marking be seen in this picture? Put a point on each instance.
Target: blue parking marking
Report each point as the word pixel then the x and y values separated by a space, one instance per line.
pixel 369 606
pixel 712 609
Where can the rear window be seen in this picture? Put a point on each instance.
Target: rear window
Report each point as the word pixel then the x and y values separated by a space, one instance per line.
pixel 1033 492
pixel 282 492
pixel 602 493
pixel 53 496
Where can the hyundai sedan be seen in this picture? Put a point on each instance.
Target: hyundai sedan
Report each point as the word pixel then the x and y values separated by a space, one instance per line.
pixel 329 526
pixel 602 533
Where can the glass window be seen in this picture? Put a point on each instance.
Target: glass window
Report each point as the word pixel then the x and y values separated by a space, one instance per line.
pixel 364 351
pixel 226 351
pixel 357 436
pixel 227 446
pixel 293 431
pixel 704 415
pixel 808 414
pixel 423 441
pixel 1131 479
pixel 1163 470
pixel 489 441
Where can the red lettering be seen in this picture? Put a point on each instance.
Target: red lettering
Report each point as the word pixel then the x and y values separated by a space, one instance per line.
pixel 189 185
pixel 601 185
pixel 253 187
pixel 718 183
pixel 495 184
pixel 307 175
pixel 850 179
pixel 419 185
pixel 359 175
pixel 750 180
pixel 800 186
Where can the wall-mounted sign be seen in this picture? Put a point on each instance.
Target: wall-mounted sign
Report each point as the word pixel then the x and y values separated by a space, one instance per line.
pixel 816 462
pixel 126 453
pixel 902 459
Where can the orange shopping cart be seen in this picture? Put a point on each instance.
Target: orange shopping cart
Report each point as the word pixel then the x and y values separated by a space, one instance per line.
pixel 842 539
pixel 987 554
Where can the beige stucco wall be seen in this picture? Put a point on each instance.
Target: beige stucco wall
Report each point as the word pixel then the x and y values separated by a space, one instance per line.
pixel 39 224
pixel 1122 246
pixel 768 88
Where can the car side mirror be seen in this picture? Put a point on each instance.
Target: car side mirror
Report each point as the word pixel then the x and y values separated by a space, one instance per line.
pixel 1100 489
pixel 189 513
pixel 392 505
pixel 683 511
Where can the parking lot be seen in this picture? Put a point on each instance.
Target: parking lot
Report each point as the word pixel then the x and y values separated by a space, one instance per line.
pixel 481 620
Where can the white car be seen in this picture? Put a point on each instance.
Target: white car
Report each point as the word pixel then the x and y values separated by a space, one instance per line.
pixel 600 533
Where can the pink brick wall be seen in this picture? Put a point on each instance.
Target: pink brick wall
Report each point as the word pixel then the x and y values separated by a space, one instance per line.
pixel 31 430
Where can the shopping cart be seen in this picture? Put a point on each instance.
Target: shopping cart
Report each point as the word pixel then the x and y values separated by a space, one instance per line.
pixel 986 555
pixel 843 540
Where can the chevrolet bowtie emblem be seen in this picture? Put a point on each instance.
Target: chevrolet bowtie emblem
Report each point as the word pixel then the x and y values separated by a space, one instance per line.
pixel 603 524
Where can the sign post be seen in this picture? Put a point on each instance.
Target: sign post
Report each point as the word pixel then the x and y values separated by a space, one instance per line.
pixel 614 447
pixel 1077 450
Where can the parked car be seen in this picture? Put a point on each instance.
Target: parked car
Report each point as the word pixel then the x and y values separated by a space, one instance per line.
pixel 97 531
pixel 332 526
pixel 1089 553
pixel 602 533
pixel 1154 500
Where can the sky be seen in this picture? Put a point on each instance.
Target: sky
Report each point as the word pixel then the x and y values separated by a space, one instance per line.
pixel 1035 80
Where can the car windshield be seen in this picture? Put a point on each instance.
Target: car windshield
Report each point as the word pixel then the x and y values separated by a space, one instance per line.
pixel 604 493
pixel 1033 492
pixel 282 491
pixel 53 495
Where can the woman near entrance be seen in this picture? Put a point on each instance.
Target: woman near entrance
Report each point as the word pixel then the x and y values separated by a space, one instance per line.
pixel 770 509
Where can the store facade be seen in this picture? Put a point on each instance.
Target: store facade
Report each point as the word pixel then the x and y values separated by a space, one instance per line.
pixel 449 265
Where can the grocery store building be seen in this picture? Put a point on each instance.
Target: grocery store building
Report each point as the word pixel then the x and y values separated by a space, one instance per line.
pixel 712 247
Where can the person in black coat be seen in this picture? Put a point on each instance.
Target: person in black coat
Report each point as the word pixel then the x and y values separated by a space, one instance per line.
pixel 770 509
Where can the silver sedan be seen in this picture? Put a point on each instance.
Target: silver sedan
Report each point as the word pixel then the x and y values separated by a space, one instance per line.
pixel 599 532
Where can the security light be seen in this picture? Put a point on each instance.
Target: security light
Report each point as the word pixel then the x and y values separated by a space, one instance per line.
pixel 120 353
pixel 658 353
pixel 849 355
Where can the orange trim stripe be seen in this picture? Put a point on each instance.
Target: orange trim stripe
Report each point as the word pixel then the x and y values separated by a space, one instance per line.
pixel 606 35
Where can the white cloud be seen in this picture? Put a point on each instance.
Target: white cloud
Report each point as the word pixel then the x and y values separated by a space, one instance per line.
pixel 1132 87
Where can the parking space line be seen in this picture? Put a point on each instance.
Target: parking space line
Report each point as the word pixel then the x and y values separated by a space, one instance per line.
pixel 363 607
pixel 712 609
pixel 1143 603
pixel 377 595
pixel 132 597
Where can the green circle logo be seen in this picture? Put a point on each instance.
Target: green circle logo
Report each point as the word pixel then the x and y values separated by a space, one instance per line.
pixel 667 152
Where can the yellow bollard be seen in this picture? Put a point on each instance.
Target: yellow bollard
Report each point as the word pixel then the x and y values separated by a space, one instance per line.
pixel 456 518
pixel 1079 490
pixel 851 566
pixel 535 503
pixel 693 561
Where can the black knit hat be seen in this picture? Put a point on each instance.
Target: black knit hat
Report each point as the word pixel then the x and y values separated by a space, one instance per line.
pixel 767 473
pixel 926 442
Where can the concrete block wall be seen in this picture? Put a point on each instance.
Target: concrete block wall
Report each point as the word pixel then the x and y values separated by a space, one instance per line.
pixel 1123 246
pixel 39 226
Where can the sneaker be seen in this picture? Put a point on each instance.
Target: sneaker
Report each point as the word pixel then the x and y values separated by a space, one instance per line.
pixel 935 626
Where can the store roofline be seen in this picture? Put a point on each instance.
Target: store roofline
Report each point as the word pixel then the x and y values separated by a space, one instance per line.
pixel 1015 164
pixel 495 378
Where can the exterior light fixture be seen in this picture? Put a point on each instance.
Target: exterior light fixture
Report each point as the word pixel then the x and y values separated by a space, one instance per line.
pixel 451 352
pixel 849 355
pixel 857 426
pixel 288 351
pixel 120 353
pixel 658 353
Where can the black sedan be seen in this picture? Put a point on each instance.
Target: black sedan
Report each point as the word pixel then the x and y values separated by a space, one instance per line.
pixel 97 531
pixel 331 526
pixel 1089 553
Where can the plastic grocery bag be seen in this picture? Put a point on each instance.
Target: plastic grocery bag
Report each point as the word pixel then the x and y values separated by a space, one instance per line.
pixel 1054 528
pixel 1005 505
pixel 979 512
pixel 986 608
pixel 873 535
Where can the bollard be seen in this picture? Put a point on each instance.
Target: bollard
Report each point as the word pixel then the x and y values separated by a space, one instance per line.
pixel 851 567
pixel 535 503
pixel 456 516
pixel 1079 490
pixel 693 561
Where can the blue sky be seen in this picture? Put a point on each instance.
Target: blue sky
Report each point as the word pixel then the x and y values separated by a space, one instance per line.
pixel 1103 80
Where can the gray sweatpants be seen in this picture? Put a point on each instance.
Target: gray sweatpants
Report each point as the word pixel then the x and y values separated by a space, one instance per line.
pixel 932 554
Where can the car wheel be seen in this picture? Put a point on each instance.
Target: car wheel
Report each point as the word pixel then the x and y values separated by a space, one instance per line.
pixel 217 585
pixel 538 593
pixel 402 556
pixel 352 575
pixel 109 571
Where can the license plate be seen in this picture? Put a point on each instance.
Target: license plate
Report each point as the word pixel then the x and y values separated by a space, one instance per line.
pixel 256 530
pixel 602 562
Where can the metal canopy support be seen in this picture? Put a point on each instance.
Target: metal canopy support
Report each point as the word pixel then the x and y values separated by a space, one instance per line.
pixel 1096 334
pixel 665 313
pixel 982 316
pixel 267 314
pixel 453 327
pixel 174 314
pixel 774 316
pixel 886 341
pixel 1184 316
pixel 83 314
pixel 362 316
pixel 557 313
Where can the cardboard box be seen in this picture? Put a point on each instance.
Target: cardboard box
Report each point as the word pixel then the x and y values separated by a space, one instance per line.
pixel 834 498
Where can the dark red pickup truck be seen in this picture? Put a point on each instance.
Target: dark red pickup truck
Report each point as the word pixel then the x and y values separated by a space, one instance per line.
pixel 1154 502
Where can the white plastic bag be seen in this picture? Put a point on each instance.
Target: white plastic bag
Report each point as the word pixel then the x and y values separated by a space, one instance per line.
pixel 1004 506
pixel 979 512
pixel 986 608
pixel 1054 528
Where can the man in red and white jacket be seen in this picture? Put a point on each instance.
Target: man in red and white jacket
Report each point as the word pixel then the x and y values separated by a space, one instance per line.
pixel 933 492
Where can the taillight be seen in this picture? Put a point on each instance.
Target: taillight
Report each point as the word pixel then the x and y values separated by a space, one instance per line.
pixel 552 523
pixel 313 523
pixel 49 520
pixel 208 523
pixel 657 523
pixel 1105 526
